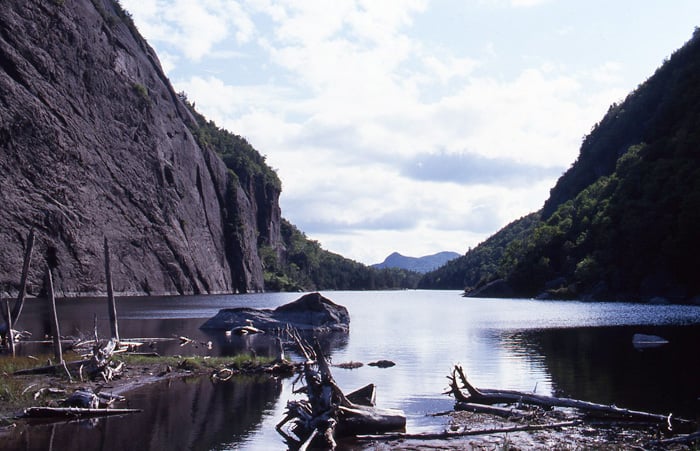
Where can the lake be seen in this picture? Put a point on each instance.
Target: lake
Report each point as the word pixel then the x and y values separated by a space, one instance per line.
pixel 574 349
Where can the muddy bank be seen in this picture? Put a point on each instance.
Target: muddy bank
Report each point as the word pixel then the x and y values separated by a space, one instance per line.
pixel 574 437
pixel 48 390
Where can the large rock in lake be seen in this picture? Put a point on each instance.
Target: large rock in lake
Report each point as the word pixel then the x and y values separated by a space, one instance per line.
pixel 309 312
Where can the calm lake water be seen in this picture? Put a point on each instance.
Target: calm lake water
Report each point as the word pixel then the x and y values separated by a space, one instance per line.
pixel 573 349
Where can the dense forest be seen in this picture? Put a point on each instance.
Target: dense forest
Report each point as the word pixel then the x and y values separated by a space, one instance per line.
pixel 306 266
pixel 621 223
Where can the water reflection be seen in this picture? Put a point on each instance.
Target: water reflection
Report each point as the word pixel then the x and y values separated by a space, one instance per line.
pixel 273 345
pixel 600 364
pixel 502 343
pixel 180 414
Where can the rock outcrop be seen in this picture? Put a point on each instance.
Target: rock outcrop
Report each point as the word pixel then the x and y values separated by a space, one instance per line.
pixel 94 143
pixel 310 312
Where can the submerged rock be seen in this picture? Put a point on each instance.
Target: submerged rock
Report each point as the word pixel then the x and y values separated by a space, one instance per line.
pixel 382 364
pixel 309 312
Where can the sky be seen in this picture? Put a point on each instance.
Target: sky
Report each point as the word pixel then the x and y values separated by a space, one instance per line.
pixel 411 126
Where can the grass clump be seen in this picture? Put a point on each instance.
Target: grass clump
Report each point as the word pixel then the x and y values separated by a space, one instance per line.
pixel 17 392
pixel 197 363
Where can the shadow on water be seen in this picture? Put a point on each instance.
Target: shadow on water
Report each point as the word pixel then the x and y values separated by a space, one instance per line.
pixel 179 414
pixel 600 364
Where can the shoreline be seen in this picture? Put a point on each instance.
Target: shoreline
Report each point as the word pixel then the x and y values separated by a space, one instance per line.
pixel 144 371
pixel 26 390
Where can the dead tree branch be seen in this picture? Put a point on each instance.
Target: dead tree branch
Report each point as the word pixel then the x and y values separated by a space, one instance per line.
pixel 590 409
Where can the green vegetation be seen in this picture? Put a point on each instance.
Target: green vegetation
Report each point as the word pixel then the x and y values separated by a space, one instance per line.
pixel 141 90
pixel 305 266
pixel 245 162
pixel 621 223
pixel 195 363
pixel 483 264
pixel 17 393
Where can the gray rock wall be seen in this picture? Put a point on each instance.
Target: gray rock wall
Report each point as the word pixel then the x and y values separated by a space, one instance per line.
pixel 94 142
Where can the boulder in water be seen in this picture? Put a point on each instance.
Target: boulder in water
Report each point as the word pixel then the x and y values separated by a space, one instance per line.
pixel 310 312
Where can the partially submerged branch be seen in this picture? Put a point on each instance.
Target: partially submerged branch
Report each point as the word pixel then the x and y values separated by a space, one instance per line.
pixel 327 412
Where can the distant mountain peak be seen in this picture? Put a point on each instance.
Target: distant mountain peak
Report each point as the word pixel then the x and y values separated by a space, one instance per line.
pixel 423 264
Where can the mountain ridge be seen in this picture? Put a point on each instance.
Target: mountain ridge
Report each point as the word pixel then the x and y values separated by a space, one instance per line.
pixel 422 264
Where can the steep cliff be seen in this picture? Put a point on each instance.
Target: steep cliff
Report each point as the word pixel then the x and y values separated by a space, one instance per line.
pixel 96 143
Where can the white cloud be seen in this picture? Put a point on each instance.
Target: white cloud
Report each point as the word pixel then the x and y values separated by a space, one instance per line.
pixel 608 73
pixel 528 3
pixel 342 96
pixel 193 27
pixel 515 3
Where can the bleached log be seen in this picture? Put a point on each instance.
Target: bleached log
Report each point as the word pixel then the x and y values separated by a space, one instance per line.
pixel 111 303
pixel 19 303
pixel 491 396
pixel 369 420
pixel 58 351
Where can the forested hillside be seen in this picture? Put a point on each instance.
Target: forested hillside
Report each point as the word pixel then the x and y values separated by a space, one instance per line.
pixel 480 265
pixel 621 223
pixel 305 266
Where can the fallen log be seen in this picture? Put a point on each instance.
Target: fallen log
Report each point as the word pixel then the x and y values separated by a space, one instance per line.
pixel 73 412
pixel 503 412
pixel 48 369
pixel 450 435
pixel 491 396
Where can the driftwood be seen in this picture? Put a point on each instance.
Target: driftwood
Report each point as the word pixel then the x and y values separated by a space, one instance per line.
pixel 449 435
pixel 590 409
pixel 58 352
pixel 73 412
pixel 99 364
pixel 111 304
pixel 328 413
pixel 8 319
pixel 19 303
pixel 50 369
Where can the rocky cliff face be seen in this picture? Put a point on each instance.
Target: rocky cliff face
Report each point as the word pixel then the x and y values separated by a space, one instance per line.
pixel 95 143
